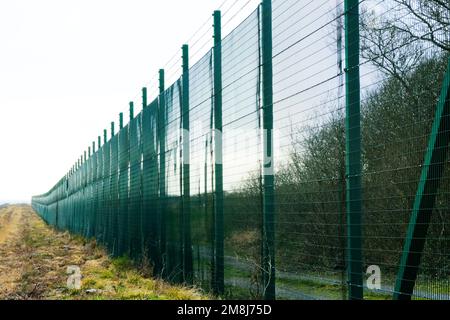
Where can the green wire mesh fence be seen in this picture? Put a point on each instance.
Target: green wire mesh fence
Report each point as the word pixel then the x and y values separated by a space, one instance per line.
pixel 304 156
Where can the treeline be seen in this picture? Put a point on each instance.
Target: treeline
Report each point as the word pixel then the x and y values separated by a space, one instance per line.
pixel 396 124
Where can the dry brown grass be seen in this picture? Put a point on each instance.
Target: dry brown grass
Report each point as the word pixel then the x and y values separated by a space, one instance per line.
pixel 34 259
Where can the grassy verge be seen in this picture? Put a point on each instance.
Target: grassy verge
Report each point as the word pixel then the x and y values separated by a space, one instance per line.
pixel 41 256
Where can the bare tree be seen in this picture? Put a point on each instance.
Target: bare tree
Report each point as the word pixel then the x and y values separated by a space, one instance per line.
pixel 426 20
pixel 397 37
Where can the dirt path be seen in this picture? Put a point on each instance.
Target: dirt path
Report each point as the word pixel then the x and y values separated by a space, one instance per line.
pixel 34 259
pixel 10 271
pixel 9 222
pixel 31 262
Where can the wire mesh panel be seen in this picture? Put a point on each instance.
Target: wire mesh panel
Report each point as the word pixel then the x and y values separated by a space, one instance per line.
pixel 83 210
pixel 123 185
pixel 135 199
pixel 105 230
pixel 103 163
pixel 310 158
pixel 113 197
pixel 151 224
pixel 172 261
pixel 404 57
pixel 93 196
pixel 242 159
pixel 201 169
pixel 87 213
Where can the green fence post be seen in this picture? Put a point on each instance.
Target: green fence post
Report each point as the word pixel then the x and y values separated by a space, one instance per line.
pixel 218 277
pixel 353 156
pixel 144 98
pixel 187 241
pixel 425 201
pixel 162 171
pixel 131 111
pixel 268 259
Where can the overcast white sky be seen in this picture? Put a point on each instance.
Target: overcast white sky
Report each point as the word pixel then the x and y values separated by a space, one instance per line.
pixel 67 68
